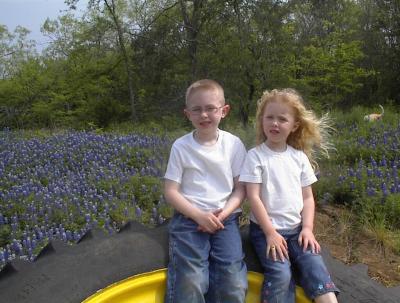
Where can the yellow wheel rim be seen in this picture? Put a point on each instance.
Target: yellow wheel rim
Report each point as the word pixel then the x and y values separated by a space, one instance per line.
pixel 150 288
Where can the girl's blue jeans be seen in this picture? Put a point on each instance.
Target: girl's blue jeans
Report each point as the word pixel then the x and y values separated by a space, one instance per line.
pixel 205 267
pixel 306 268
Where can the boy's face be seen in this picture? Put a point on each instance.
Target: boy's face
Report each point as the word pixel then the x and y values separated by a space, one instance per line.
pixel 205 110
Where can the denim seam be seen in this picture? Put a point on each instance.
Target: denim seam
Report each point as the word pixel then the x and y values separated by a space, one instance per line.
pixel 173 280
pixel 216 276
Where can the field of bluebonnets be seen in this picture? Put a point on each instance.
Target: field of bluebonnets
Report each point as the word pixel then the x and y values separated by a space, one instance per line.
pixel 363 173
pixel 60 185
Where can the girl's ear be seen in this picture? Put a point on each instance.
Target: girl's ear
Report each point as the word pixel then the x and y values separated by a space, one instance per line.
pixel 295 126
pixel 225 110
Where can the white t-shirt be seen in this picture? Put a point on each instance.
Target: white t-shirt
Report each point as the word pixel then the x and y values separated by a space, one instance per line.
pixel 282 174
pixel 206 173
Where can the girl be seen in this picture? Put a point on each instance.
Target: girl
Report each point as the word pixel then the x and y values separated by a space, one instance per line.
pixel 278 176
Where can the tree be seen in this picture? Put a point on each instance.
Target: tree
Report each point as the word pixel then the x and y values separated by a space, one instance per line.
pixel 15 48
pixel 247 48
pixel 82 57
pixel 193 14
pixel 113 9
pixel 380 31
pixel 15 51
pixel 329 52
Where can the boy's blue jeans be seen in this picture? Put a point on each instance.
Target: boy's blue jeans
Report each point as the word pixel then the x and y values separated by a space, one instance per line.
pixel 307 268
pixel 205 267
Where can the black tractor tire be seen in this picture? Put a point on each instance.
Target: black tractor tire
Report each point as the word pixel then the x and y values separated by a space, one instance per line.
pixel 65 273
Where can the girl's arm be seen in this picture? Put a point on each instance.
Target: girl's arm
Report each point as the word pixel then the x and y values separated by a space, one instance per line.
pixel 207 220
pixel 234 201
pixel 306 237
pixel 274 239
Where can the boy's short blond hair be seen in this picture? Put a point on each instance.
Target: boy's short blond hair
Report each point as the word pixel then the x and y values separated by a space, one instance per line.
pixel 205 84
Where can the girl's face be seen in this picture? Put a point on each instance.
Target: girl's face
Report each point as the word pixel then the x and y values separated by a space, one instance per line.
pixel 278 123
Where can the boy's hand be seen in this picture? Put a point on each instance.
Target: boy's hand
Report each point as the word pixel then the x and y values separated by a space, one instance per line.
pixel 209 221
pixel 307 239
pixel 221 214
pixel 277 246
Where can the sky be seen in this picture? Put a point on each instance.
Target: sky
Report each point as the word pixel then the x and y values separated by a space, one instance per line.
pixel 31 14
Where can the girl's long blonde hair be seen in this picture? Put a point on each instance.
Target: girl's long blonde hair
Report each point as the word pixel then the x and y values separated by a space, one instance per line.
pixel 312 135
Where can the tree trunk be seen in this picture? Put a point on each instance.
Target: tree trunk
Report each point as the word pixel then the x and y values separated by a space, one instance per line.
pixel 192 27
pixel 111 8
pixel 249 76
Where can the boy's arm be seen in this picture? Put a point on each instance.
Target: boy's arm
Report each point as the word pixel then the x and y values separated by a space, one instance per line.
pixel 306 237
pixel 276 244
pixel 209 222
pixel 235 199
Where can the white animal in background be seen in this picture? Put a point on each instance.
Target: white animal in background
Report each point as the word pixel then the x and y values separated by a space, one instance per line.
pixel 375 117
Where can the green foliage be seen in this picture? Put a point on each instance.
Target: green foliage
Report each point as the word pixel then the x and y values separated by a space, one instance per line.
pixel 172 127
pixel 329 190
pixel 58 216
pixel 335 53
pixel 331 73
pixel 138 157
pixel 119 215
pixel 391 208
pixel 142 191
pixel 138 186
pixel 5 235
pixel 245 133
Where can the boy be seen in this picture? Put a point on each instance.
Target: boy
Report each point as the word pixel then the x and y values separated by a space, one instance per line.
pixel 201 183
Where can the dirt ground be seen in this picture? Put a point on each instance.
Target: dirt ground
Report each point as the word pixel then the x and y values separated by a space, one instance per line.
pixel 335 231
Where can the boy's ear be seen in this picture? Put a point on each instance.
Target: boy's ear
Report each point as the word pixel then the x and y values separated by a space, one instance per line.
pixel 225 110
pixel 186 113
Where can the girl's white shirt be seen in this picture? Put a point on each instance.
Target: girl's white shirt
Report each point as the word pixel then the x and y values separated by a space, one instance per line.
pixel 282 176
pixel 205 173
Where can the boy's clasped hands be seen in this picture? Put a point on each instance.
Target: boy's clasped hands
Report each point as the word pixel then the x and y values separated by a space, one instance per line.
pixel 211 222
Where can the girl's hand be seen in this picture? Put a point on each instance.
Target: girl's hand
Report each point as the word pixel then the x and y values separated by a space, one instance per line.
pixel 277 246
pixel 307 239
pixel 209 222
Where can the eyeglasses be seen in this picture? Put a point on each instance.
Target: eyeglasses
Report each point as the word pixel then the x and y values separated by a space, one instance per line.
pixel 197 111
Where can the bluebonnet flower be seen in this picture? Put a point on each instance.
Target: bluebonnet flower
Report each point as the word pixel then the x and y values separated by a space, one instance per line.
pixel 384 189
pixel 138 212
pixel 371 191
pixel 161 220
